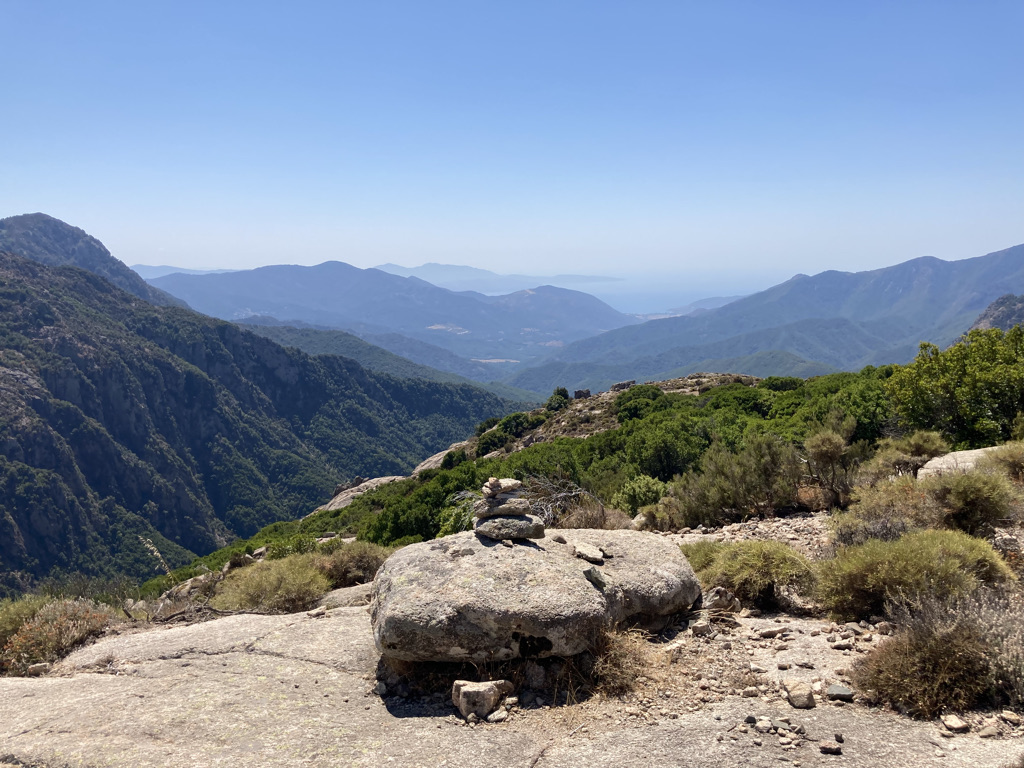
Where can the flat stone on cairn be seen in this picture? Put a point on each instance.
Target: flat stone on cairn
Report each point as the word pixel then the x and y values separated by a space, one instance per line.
pixel 501 515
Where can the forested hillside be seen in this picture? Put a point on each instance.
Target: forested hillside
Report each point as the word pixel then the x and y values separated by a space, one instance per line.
pixel 120 420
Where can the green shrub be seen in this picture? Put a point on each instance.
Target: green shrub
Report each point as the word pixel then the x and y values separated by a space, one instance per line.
pixel 972 501
pixel 904 455
pixel 559 399
pixel 55 630
pixel 353 563
pixel 452 459
pixel 492 441
pixel 760 479
pixel 298 544
pixel 273 586
pixel 756 571
pixel 885 511
pixel 937 661
pixel 486 424
pixel 638 492
pixel 15 612
pixel 861 580
pixel 1008 459
pixel 703 553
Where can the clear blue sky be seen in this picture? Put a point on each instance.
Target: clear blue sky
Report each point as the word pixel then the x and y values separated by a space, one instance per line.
pixel 726 143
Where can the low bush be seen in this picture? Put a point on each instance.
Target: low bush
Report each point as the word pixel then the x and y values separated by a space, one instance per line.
pixel 273 586
pixel 885 511
pixel 351 564
pixel 760 479
pixel 861 580
pixel 14 612
pixel 937 661
pixel 592 514
pixel 55 630
pixel 974 502
pixel 757 571
pixel 1007 459
pixel 638 492
pixel 950 655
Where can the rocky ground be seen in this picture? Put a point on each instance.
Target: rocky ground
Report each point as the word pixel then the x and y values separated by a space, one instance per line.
pixel 304 690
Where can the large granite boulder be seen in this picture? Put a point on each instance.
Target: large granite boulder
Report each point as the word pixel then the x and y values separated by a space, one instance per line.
pixel 467 598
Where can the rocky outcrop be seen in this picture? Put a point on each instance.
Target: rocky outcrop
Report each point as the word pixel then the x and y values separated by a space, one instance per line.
pixel 951 463
pixel 469 598
pixel 348 495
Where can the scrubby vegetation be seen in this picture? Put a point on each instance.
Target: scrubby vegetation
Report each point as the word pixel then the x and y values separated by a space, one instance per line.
pixel 48 632
pixel 274 586
pixel 950 655
pixel 755 571
pixel 861 580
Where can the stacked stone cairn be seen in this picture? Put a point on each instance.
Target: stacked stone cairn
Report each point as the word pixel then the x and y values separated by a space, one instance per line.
pixel 502 515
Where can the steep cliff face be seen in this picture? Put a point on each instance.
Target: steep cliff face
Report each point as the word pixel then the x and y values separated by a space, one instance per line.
pixel 1005 312
pixel 119 419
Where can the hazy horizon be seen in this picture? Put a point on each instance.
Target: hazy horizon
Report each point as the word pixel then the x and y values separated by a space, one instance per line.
pixel 702 149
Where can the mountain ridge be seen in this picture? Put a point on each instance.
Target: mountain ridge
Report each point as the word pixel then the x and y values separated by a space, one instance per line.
pixel 124 421
pixel 48 240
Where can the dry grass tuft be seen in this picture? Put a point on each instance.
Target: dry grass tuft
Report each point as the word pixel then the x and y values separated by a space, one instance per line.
pixel 350 564
pixel 273 586
pixel 936 662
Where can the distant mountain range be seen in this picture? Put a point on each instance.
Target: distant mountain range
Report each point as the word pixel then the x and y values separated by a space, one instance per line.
pixel 461 278
pixel 148 271
pixel 319 341
pixel 833 320
pixel 519 326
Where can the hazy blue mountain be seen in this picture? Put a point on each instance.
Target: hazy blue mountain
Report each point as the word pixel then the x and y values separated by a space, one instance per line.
pixel 842 320
pixel 316 341
pixel 521 326
pixel 462 278
pixel 50 241
pixel 149 271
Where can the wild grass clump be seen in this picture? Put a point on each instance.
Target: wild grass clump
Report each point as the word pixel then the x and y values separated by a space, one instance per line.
pixel 56 629
pixel 273 586
pixel 755 571
pixel 350 564
pixel 861 580
pixel 703 553
pixel 620 657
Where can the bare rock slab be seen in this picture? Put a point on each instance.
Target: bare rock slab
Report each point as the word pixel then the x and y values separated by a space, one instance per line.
pixel 467 598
